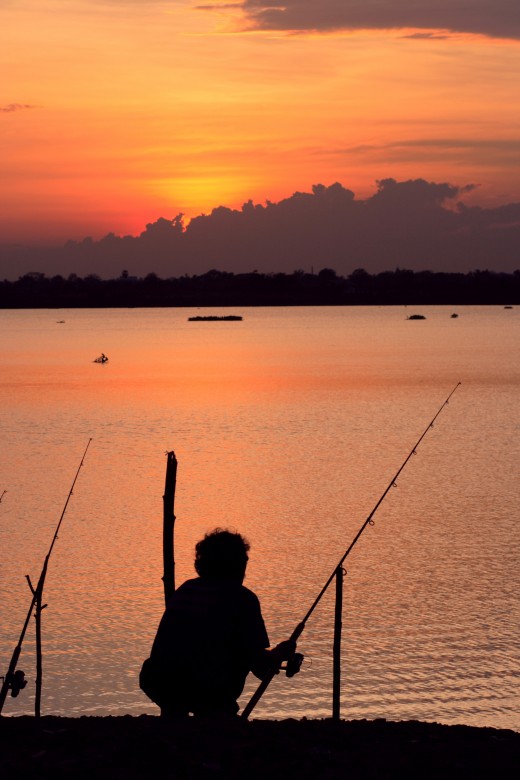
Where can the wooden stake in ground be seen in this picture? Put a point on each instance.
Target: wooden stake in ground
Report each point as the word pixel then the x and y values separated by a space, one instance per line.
pixel 38 608
pixel 168 525
pixel 336 650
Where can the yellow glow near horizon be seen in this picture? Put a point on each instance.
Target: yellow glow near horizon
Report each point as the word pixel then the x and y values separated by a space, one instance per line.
pixel 203 193
pixel 114 114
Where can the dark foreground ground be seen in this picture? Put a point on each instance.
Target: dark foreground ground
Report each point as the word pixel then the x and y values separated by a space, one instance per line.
pixel 147 747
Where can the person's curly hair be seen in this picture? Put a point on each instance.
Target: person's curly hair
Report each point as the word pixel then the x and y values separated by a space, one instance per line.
pixel 221 554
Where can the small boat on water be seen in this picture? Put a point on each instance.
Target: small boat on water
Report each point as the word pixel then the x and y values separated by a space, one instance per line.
pixel 416 317
pixel 454 316
pixel 101 359
pixel 214 318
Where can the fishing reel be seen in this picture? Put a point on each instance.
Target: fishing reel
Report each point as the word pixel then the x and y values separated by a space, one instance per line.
pixel 293 665
pixel 16 682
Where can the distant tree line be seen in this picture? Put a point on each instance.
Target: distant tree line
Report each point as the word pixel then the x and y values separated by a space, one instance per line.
pixel 219 288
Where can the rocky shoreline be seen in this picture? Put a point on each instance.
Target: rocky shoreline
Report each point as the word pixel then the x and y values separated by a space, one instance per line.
pixel 150 747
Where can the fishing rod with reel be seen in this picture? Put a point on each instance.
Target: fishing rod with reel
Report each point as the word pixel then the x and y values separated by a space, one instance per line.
pixel 369 521
pixel 14 679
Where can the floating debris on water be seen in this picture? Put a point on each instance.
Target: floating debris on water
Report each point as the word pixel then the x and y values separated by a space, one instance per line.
pixel 454 316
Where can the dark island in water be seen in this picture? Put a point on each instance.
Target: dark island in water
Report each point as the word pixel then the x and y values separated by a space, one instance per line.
pixel 215 318
pixel 151 747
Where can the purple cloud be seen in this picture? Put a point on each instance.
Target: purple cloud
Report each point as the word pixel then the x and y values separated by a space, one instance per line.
pixel 415 224
pixel 494 18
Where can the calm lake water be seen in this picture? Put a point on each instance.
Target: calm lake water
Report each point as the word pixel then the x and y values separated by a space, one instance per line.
pixel 288 426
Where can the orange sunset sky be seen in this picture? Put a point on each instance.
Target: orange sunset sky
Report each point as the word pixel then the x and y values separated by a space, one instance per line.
pixel 116 112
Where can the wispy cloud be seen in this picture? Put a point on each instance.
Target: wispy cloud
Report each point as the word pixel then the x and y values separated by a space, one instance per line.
pixel 219 6
pixel 427 36
pixel 490 150
pixel 10 107
pixel 493 18
pixel 512 144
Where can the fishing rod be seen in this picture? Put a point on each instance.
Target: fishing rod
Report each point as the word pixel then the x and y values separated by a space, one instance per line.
pixel 301 626
pixel 14 680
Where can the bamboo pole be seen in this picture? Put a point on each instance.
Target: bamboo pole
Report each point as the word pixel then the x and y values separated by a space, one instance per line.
pixel 168 526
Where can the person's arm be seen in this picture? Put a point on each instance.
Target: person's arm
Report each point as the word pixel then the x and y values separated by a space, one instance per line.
pixel 262 658
pixel 272 657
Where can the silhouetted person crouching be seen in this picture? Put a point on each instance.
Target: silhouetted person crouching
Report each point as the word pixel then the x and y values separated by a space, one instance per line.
pixel 211 636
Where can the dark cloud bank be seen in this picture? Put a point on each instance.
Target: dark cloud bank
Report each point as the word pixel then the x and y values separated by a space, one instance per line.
pixel 416 225
pixel 494 18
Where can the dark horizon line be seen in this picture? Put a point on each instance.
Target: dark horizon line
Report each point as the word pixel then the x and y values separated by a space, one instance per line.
pixel 225 289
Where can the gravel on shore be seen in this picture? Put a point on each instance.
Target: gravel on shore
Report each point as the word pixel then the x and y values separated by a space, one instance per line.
pixel 150 747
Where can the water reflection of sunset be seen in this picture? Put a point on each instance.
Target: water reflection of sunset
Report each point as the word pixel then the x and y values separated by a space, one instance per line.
pixel 161 359
pixel 287 428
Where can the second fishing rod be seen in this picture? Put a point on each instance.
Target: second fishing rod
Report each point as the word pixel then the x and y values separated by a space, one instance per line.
pixel 14 680
pixel 301 626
